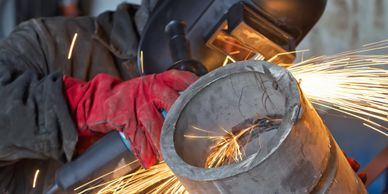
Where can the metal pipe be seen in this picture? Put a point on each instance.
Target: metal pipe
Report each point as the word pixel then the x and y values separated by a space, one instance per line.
pixel 300 156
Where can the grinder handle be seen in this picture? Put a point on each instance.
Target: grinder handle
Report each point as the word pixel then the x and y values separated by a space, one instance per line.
pixel 107 154
pixel 180 49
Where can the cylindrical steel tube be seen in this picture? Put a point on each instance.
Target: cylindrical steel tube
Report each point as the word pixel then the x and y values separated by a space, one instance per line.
pixel 299 157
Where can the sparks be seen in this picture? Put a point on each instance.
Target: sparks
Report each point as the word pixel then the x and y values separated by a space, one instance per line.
pixel 160 179
pixel 227 149
pixel 347 82
pixel 350 84
pixel 72 46
pixel 86 187
pixel 228 59
pixel 35 178
pixel 258 56
pixel 142 62
pixel 157 179
pixel 286 53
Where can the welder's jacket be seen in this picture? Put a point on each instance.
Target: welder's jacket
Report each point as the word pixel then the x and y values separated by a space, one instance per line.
pixel 36 128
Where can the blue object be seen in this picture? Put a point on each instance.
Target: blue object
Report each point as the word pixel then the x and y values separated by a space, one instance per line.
pixel 164 113
pixel 125 141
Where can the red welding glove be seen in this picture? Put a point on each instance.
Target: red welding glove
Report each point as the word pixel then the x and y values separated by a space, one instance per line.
pixel 133 107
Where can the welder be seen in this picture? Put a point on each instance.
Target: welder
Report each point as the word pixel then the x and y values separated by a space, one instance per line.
pixel 48 110
pixel 54 106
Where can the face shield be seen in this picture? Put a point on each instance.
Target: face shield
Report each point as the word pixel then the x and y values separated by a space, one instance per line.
pixel 243 34
pixel 220 29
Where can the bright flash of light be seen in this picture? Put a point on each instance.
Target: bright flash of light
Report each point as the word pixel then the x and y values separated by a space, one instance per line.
pixel 351 84
pixel 72 46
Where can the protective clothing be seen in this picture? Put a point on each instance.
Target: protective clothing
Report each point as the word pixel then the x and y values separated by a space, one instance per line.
pixel 37 130
pixel 133 107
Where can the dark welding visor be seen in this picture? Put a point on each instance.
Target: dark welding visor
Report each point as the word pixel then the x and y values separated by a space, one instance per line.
pixel 244 34
pixel 216 29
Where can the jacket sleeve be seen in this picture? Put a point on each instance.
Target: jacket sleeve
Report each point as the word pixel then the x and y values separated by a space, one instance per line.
pixel 35 122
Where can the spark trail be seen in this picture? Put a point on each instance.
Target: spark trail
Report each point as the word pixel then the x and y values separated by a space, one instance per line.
pixel 354 83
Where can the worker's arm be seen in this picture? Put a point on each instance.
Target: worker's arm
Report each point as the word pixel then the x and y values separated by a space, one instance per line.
pixel 35 121
pixel 35 118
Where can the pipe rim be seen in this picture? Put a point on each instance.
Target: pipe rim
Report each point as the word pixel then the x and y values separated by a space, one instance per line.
pixel 182 168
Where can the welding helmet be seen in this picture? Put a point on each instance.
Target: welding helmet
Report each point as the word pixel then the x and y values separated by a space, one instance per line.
pixel 216 29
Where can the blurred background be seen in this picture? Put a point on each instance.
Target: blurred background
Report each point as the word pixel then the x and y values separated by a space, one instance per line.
pixel 345 25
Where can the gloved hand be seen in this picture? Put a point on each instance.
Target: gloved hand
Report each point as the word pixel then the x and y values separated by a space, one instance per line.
pixel 133 107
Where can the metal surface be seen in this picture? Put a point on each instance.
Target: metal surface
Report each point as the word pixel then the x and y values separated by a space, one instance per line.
pixel 299 157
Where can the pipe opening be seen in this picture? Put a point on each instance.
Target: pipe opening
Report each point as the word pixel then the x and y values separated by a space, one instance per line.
pixel 248 107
